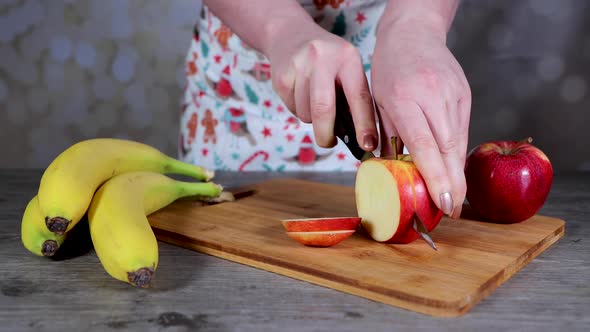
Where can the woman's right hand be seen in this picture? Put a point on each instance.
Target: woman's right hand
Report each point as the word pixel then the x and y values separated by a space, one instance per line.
pixel 306 64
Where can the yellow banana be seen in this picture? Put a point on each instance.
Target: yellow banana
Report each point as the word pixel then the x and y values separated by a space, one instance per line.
pixel 122 236
pixel 34 234
pixel 69 182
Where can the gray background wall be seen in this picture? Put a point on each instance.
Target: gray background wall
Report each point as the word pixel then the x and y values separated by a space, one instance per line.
pixel 71 70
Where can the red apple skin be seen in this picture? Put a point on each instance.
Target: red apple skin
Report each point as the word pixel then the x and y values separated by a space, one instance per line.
pixel 321 224
pixel 414 197
pixel 320 239
pixel 507 182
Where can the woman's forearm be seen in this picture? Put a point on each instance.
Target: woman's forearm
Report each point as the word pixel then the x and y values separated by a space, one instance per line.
pixel 259 22
pixel 438 14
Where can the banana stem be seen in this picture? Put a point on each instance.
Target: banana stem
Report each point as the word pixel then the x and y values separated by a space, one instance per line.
pixel 207 189
pixel 178 167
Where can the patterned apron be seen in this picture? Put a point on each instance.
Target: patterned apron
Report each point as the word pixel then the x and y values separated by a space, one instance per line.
pixel 231 117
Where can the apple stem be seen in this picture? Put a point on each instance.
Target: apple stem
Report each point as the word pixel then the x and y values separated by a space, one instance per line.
pixel 527 140
pixel 394 146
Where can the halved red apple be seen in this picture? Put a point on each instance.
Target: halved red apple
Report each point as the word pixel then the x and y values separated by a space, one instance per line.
pixel 321 232
pixel 388 193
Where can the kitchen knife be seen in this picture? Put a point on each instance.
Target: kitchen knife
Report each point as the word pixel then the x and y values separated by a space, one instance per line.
pixel 420 228
pixel 344 127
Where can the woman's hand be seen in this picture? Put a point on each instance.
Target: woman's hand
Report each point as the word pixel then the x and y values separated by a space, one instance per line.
pixel 423 97
pixel 306 63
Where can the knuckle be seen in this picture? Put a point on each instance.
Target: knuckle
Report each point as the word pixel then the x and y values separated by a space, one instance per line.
pixel 304 117
pixel 423 142
pixel 365 97
pixel 320 108
pixel 448 146
pixel 282 83
pixel 316 48
pixel 436 178
pixel 349 50
pixel 441 179
pixel 400 90
pixel 455 83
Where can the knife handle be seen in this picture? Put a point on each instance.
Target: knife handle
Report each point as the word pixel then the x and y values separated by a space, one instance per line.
pixel 344 125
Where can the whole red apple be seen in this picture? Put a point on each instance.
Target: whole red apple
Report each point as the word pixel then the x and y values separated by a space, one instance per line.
pixel 507 181
pixel 388 193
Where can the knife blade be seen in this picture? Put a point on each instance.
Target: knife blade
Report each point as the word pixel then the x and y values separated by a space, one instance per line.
pixel 344 127
pixel 420 228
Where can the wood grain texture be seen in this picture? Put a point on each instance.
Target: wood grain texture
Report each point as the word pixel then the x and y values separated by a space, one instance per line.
pixel 473 259
pixel 199 292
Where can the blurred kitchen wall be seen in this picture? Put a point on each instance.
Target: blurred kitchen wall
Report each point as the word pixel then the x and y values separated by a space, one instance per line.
pixel 71 70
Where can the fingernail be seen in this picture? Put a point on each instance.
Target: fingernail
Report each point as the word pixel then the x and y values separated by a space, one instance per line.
pixel 369 141
pixel 446 202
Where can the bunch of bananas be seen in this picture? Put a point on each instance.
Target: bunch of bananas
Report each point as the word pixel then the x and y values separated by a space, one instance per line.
pixel 116 184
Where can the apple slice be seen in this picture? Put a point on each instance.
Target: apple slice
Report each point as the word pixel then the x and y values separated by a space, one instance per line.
pixel 321 232
pixel 321 224
pixel 321 238
pixel 388 192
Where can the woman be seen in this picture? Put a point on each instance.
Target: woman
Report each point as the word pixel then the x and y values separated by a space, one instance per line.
pixel 261 79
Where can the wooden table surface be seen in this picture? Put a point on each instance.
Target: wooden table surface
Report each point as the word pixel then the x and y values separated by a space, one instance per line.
pixel 194 291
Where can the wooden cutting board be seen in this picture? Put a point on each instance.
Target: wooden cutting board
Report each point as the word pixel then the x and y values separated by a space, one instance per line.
pixel 472 260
